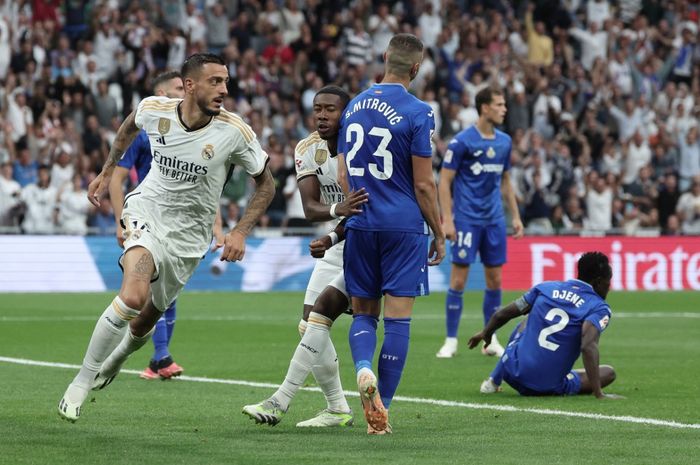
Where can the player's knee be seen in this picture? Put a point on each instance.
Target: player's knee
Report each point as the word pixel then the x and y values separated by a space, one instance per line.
pixel 135 300
pixel 608 374
pixel 457 283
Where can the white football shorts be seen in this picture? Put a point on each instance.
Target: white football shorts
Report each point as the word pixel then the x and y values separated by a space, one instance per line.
pixel 328 271
pixel 172 272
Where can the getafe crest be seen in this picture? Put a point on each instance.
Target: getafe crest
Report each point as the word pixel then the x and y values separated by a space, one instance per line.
pixel 321 156
pixel 163 126
pixel 462 254
pixel 208 152
pixel 490 152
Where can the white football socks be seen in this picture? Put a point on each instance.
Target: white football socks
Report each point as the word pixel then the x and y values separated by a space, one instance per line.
pixel 128 345
pixel 109 330
pixel 316 353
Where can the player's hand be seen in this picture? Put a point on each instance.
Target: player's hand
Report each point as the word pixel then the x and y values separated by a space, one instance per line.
pixel 318 247
pixel 234 246
pixel 517 228
pixel 477 338
pixel 448 227
pixel 352 205
pixel 219 239
pixel 437 251
pixel 98 187
pixel 120 236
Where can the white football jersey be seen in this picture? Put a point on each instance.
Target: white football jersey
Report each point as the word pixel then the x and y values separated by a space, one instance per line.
pixel 312 158
pixel 189 169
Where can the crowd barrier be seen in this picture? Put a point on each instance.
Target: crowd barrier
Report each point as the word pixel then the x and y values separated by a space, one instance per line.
pixel 84 264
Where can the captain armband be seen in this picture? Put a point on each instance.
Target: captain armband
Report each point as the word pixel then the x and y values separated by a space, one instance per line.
pixel 521 304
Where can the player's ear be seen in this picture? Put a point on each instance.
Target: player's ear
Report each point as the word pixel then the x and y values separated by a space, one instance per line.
pixel 188 84
pixel 414 71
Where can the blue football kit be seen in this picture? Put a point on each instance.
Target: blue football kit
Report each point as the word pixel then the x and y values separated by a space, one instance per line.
pixel 381 130
pixel 386 246
pixel 539 357
pixel 479 163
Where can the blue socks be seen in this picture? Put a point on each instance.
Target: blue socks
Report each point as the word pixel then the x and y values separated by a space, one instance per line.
pixel 163 333
pixel 363 340
pixel 453 311
pixel 492 300
pixel 392 357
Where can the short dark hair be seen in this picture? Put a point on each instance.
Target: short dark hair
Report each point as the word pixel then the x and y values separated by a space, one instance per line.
pixel 404 51
pixel 594 265
pixel 335 90
pixel 164 77
pixel 194 63
pixel 485 97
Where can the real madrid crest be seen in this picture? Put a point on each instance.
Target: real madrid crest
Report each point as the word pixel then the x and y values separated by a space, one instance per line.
pixel 208 152
pixel 321 156
pixel 163 126
pixel 490 152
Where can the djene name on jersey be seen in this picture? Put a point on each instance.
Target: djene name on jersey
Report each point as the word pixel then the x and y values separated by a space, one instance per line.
pixel 178 170
pixel 375 104
pixel 569 297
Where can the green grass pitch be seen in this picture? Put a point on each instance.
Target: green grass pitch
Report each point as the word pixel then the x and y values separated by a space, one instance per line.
pixel 652 341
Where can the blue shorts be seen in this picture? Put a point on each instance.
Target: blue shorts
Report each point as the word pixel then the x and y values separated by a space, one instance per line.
pixel 385 262
pixel 570 385
pixel 488 240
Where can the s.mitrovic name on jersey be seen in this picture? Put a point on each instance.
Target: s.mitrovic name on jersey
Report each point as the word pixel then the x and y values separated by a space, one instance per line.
pixel 375 104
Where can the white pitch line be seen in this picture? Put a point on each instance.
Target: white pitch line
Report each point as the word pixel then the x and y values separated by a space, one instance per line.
pixel 294 317
pixel 415 400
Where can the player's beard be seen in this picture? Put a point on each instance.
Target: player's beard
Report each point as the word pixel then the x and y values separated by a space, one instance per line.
pixel 203 105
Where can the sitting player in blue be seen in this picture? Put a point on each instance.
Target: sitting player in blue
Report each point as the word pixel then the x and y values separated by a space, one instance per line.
pixel 565 320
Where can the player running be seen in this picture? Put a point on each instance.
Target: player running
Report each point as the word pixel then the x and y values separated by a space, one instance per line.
pixel 564 320
pixel 473 179
pixel 323 200
pixel 168 218
pixel 384 147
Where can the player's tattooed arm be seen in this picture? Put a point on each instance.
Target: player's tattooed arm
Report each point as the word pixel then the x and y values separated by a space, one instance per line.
pixel 258 203
pixel 125 136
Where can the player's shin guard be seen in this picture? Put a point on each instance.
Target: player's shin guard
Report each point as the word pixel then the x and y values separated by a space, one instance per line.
pixel 492 300
pixel 392 357
pixel 453 311
pixel 109 330
pixel 128 345
pixel 363 340
pixel 313 343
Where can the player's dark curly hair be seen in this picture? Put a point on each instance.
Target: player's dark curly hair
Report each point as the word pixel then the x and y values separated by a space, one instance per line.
pixel 194 63
pixel 485 97
pixel 594 265
pixel 335 90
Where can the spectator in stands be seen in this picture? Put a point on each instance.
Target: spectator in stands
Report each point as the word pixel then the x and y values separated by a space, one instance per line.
pixel 25 169
pixel 688 209
pixel 9 197
pixel 39 200
pixel 599 203
pixel 667 200
pixel 689 156
pixel 73 207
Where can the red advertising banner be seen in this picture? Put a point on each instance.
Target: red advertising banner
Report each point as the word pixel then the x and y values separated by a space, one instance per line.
pixel 638 263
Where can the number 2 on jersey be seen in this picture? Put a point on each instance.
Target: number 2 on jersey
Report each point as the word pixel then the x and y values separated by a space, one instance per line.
pixel 381 151
pixel 555 328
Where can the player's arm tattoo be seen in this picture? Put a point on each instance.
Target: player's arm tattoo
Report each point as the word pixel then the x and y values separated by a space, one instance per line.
pixel 125 136
pixel 258 203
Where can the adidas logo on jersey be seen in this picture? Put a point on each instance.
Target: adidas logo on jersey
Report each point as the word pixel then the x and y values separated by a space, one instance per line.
pixel 161 140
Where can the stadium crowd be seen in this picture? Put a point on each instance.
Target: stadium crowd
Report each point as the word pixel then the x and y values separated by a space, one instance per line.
pixel 603 97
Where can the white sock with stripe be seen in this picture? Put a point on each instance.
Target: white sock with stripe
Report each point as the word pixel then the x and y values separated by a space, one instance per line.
pixel 108 332
pixel 128 345
pixel 313 343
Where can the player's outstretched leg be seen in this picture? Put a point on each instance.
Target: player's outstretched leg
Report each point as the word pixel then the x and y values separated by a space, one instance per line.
pixel 109 330
pixel 363 342
pixel 129 344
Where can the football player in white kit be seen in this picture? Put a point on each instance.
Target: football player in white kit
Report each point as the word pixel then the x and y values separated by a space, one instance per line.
pixel 323 200
pixel 168 218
